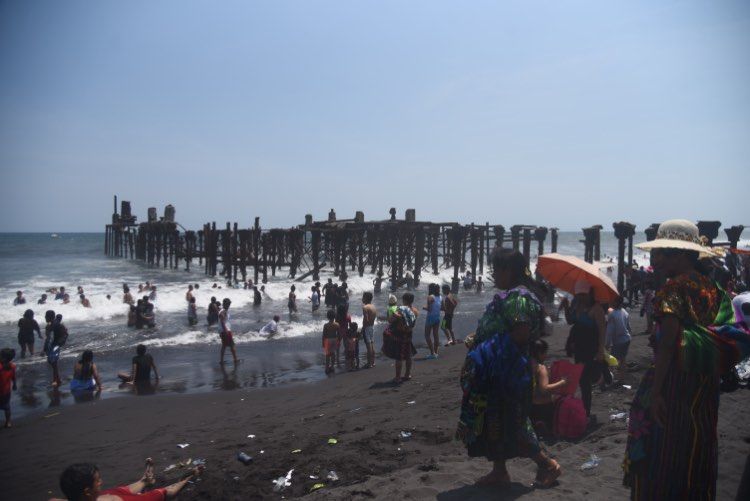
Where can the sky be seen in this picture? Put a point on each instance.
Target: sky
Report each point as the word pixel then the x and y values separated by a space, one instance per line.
pixel 554 113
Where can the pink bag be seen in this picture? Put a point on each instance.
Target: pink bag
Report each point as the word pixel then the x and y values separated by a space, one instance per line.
pixel 570 418
pixel 573 372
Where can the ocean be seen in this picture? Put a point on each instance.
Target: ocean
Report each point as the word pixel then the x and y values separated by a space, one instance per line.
pixel 187 357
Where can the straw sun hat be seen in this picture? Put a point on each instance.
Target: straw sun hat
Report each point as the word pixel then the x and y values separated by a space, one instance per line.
pixel 679 234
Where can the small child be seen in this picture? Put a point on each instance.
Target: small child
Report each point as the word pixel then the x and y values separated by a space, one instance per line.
pixel 330 340
pixel 352 347
pixel 7 377
pixel 543 401
pixel 192 312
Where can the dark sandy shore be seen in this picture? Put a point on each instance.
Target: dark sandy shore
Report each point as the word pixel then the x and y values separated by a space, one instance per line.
pixel 362 411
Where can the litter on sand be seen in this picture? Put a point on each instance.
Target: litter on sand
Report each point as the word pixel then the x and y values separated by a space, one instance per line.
pixel 244 458
pixel 405 435
pixel 332 476
pixel 332 441
pixel 317 486
pixel 627 386
pixel 282 483
pixel 617 416
pixel 296 451
pixel 182 446
pixel 251 436
pixel 592 463
pixel 412 402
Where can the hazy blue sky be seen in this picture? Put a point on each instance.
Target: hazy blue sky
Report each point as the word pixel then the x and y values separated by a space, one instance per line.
pixel 554 113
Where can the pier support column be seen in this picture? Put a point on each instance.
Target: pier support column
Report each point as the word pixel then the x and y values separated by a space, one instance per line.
pixel 623 231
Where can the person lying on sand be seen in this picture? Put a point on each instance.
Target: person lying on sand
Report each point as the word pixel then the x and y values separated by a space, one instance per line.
pixel 83 482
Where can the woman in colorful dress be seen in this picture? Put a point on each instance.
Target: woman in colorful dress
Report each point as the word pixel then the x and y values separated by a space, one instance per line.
pixel 497 377
pixel 672 449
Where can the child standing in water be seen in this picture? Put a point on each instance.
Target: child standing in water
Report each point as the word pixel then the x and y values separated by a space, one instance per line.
pixel 192 312
pixel 343 319
pixel 330 340
pixel 7 381
pixel 352 347
pixel 292 302
pixel 225 332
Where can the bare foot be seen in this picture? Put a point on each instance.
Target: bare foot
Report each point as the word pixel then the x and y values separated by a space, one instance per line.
pixel 148 474
pixel 547 476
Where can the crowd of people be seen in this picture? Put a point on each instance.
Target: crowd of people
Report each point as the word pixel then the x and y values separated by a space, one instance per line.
pixel 698 332
pixel 701 332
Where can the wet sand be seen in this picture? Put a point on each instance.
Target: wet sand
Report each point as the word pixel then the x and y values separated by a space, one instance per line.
pixel 362 410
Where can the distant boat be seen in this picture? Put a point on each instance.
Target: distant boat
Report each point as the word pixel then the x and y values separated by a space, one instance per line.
pixel 54 235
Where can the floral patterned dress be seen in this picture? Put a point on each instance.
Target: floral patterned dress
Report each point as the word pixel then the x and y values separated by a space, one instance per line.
pixel 679 460
pixel 497 380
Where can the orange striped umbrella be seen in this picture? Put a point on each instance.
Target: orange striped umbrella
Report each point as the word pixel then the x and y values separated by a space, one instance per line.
pixel 564 271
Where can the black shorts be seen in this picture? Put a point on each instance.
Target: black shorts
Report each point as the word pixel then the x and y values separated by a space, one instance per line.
pixel 5 402
pixel 448 321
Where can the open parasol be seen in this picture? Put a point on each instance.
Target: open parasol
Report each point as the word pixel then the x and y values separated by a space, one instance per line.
pixel 564 271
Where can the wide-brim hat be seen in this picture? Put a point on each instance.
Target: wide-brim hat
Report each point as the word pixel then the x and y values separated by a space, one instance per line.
pixel 679 234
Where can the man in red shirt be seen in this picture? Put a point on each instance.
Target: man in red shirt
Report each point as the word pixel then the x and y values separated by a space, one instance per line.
pixel 82 482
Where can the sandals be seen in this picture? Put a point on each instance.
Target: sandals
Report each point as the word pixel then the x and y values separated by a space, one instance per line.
pixel 546 477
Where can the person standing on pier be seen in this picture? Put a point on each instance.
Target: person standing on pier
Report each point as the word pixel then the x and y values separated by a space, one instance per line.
pixel 225 331
pixel 369 313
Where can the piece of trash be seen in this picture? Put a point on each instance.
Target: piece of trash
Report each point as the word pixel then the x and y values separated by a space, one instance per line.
pixel 170 467
pixel 592 463
pixel 356 410
pixel 412 402
pixel 282 483
pixel 262 452
pixel 617 416
pixel 251 436
pixel 296 451
pixel 315 487
pixel 199 462
pixel 627 386
pixel 51 415
pixel 236 479
pixel 332 441
pixel 313 477
pixel 182 446
pixel 244 458
pixel 332 476
pixel 405 435
pixel 242 400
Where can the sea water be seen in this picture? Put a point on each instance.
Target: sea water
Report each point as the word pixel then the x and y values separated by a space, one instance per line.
pixel 187 357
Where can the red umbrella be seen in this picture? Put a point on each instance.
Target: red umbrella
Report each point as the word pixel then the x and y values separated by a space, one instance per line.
pixel 564 271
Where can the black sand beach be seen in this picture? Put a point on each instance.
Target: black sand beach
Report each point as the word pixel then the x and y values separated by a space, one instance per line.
pixel 362 411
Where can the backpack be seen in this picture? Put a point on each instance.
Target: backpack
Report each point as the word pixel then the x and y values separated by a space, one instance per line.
pixel 570 418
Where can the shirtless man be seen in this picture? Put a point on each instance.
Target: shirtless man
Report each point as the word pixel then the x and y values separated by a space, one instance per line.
pixel 449 306
pixel 369 313
pixel 189 293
